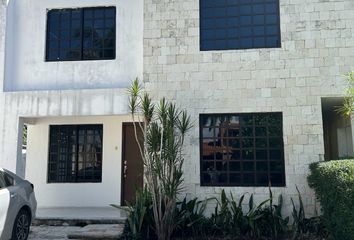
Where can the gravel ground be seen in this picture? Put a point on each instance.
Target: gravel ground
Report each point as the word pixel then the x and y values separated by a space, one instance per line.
pixel 50 233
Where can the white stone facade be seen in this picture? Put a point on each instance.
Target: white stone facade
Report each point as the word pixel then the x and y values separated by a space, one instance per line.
pixel 317 49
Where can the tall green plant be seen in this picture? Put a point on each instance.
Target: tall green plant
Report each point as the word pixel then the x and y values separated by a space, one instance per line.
pixel 348 104
pixel 164 127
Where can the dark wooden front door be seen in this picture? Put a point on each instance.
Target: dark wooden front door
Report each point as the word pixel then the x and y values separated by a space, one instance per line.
pixel 132 164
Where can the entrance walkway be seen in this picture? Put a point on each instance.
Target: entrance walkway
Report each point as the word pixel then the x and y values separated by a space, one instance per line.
pixel 78 223
pixel 97 232
pixel 75 216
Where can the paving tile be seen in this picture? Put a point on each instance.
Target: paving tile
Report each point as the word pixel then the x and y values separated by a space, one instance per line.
pixel 97 231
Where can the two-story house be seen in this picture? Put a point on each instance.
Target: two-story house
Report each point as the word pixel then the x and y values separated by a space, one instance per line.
pixel 260 78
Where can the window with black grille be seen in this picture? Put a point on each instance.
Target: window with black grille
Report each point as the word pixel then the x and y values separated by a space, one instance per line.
pixel 81 34
pixel 239 24
pixel 242 149
pixel 75 153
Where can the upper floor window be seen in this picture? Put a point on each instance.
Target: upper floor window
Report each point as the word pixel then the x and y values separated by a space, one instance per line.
pixel 81 34
pixel 243 149
pixel 239 24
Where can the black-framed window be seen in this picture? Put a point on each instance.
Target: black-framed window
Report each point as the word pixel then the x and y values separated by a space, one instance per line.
pixel 239 24
pixel 75 153
pixel 81 34
pixel 243 149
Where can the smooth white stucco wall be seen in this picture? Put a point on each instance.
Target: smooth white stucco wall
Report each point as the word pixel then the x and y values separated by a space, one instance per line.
pixel 25 66
pixel 76 194
pixel 22 107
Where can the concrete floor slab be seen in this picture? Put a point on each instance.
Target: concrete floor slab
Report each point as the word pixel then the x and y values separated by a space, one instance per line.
pixel 97 231
pixel 84 213
pixel 50 232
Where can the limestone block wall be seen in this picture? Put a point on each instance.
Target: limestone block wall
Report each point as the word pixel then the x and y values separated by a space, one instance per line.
pixel 317 48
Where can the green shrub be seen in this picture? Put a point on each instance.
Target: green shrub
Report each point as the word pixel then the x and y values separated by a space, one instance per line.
pixel 229 220
pixel 333 182
pixel 260 221
pixel 139 223
pixel 190 219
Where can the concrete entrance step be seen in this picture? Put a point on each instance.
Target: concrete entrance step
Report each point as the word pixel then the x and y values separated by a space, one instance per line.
pixel 97 232
pixel 79 216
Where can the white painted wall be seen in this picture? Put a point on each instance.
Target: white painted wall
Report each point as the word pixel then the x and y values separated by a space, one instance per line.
pixel 76 194
pixel 21 107
pixel 25 66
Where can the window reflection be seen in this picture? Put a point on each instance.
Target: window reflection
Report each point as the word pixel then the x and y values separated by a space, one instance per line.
pixel 77 156
pixel 239 24
pixel 81 34
pixel 242 149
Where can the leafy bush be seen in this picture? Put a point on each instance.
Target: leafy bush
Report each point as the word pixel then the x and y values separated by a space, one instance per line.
pixel 333 182
pixel 139 224
pixel 262 220
pixel 190 218
pixel 272 222
pixel 303 226
pixel 229 220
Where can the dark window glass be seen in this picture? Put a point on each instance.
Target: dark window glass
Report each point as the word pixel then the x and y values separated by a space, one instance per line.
pixel 2 180
pixel 81 34
pixel 75 153
pixel 239 24
pixel 6 180
pixel 242 149
pixel 9 180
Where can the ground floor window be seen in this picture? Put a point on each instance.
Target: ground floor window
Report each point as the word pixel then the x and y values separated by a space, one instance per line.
pixel 244 149
pixel 75 153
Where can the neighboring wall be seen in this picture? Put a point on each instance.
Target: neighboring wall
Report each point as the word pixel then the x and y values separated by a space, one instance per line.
pixel 21 107
pixel 66 194
pixel 317 49
pixel 26 68
pixel 35 88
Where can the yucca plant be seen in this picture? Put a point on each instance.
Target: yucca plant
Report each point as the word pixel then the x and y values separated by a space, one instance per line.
pixel 164 127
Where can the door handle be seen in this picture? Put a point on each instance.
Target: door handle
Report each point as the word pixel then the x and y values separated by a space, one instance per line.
pixel 125 168
pixel 13 195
